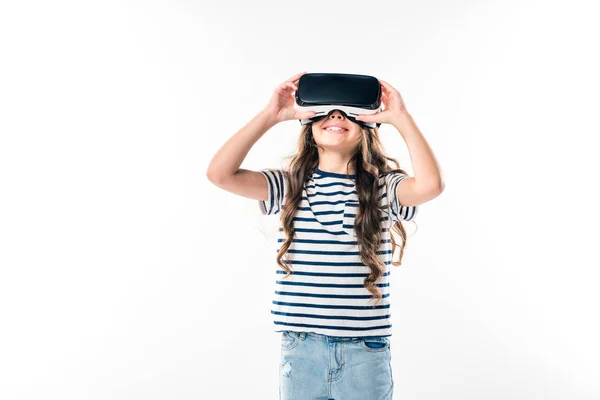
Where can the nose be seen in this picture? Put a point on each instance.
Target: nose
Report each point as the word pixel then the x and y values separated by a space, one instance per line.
pixel 337 114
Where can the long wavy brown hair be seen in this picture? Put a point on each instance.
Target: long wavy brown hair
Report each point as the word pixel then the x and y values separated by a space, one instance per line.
pixel 369 163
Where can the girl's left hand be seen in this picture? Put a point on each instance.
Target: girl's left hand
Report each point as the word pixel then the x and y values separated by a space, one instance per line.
pixel 393 106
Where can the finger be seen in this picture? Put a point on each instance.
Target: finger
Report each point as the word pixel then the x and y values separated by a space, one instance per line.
pixel 385 98
pixel 387 86
pixel 385 90
pixel 285 89
pixel 296 77
pixel 306 114
pixel 285 86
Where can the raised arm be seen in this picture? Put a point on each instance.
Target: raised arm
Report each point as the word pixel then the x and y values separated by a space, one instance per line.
pixel 427 182
pixel 224 169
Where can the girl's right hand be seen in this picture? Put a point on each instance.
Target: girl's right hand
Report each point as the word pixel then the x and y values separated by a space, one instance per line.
pixel 281 106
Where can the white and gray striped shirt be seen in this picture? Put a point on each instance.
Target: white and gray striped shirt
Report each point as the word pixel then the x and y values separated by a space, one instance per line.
pixel 325 292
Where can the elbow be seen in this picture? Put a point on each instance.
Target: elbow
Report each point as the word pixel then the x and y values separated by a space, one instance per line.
pixel 212 176
pixel 435 190
pixel 441 187
pixel 217 178
pixel 438 189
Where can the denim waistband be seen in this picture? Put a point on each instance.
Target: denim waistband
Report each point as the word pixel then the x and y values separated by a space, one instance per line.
pixel 314 335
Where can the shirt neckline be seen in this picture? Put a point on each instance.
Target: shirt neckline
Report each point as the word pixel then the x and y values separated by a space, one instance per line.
pixel 333 174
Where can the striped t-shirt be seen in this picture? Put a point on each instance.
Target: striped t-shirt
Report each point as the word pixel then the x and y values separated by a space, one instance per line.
pixel 325 292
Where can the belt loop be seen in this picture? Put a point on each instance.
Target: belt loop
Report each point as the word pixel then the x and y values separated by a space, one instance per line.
pixel 302 335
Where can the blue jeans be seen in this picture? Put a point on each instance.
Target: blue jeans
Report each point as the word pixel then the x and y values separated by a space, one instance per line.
pixel 321 367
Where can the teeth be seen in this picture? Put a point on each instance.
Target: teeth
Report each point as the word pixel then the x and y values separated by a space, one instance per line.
pixel 334 128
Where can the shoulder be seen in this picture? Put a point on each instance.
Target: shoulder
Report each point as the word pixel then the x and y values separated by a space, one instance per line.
pixel 275 173
pixel 389 178
pixel 277 178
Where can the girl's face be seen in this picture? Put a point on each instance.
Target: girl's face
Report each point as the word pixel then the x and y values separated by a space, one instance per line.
pixel 345 137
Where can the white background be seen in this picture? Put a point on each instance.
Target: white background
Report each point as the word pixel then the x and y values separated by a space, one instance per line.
pixel 126 274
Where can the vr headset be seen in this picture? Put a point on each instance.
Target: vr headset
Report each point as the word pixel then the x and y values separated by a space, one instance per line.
pixel 352 94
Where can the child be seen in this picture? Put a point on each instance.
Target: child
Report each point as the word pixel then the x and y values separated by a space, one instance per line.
pixel 337 203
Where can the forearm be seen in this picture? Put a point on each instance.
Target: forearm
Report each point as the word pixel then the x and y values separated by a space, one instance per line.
pixel 425 167
pixel 230 156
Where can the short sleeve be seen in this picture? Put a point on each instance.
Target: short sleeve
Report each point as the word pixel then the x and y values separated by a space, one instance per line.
pixel 277 187
pixel 397 210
